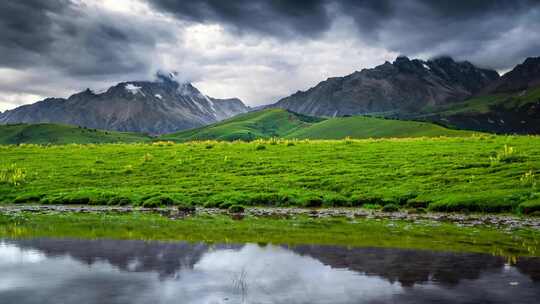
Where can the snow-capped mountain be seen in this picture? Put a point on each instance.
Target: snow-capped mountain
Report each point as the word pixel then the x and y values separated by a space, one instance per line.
pixel 153 107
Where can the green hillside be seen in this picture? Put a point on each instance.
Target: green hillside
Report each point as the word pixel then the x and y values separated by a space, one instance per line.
pixel 62 134
pixel 249 126
pixel 369 127
pixel 485 104
pixel 281 123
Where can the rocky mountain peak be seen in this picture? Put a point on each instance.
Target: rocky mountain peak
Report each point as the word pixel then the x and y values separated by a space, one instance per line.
pixel 156 107
pixel 522 77
pixel 404 85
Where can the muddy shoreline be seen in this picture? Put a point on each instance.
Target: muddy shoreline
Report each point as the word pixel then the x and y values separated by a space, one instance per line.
pixel 501 221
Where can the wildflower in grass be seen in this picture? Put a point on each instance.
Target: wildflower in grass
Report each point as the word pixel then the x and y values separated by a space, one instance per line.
pixel 162 143
pixel 12 175
pixel 528 179
pixel 507 155
pixel 147 157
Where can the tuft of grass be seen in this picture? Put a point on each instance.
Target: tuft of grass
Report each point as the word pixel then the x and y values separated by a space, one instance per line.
pixel 147 157
pixel 12 175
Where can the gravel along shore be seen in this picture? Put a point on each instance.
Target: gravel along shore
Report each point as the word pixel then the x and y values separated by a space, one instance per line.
pixel 503 221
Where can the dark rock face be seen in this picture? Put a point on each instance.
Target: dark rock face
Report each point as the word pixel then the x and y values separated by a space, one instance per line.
pixel 158 107
pixel 516 113
pixel 402 86
pixel 522 77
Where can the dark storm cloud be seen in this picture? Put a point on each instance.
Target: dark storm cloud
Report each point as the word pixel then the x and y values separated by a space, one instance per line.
pixel 464 29
pixel 71 37
pixel 280 17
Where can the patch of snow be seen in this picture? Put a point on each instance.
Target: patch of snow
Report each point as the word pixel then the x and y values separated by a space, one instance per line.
pixel 100 91
pixel 426 66
pixel 211 103
pixel 158 96
pixel 133 89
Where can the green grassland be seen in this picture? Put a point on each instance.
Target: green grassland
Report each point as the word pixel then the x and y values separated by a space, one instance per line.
pixel 279 231
pixel 281 123
pixel 483 173
pixel 368 127
pixel 62 134
pixel 483 104
pixel 249 126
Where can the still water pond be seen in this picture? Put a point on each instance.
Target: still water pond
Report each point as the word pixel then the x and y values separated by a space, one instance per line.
pixel 107 271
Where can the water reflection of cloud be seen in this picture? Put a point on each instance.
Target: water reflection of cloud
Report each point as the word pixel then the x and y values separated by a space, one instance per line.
pixel 59 272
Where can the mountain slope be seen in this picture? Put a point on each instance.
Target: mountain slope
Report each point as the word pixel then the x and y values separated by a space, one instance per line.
pixel 281 123
pixel 510 105
pixel 62 134
pixel 250 126
pixel 369 127
pixel 157 107
pixel 404 86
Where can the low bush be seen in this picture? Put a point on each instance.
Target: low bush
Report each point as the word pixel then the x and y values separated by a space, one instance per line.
pixel 225 205
pixel 529 207
pixel 390 208
pixel 158 201
pixel 28 198
pixel 120 201
pixel 335 200
pixel 361 200
pixel 372 206
pixel 474 203
pixel 236 209
pixel 417 203
pixel 310 201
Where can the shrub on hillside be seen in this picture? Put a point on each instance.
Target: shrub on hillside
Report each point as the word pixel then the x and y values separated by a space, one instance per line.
pixel 119 201
pixel 390 208
pixel 417 203
pixel 358 200
pixel 236 209
pixel 335 200
pixel 28 198
pixel 529 207
pixel 474 203
pixel 310 201
pixel 158 201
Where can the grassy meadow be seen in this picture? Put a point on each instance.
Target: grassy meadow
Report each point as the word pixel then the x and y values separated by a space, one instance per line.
pixel 280 123
pixel 56 134
pixel 483 173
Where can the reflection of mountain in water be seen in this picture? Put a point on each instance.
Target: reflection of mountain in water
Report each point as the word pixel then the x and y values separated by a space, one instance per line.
pixel 407 267
pixel 138 256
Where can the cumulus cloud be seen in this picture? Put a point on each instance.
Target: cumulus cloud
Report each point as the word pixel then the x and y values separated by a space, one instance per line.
pixel 258 50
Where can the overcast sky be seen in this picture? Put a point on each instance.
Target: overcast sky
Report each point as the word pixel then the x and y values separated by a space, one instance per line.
pixel 257 50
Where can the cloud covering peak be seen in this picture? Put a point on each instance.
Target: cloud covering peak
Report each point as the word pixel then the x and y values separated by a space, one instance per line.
pixel 258 50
